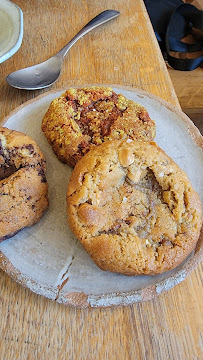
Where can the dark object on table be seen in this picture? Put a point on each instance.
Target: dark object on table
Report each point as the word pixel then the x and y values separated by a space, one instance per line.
pixel 179 30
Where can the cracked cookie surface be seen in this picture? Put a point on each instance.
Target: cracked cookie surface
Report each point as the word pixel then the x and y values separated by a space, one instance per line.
pixel 132 208
pixel 23 185
pixel 81 119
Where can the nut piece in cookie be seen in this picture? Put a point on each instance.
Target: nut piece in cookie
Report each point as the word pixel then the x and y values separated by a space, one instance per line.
pixel 132 208
pixel 80 119
pixel 23 185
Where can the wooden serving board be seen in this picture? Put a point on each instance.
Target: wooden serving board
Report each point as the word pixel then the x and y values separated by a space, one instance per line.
pixel 49 260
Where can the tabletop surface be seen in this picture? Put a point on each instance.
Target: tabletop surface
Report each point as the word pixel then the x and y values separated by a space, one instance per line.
pixel 124 52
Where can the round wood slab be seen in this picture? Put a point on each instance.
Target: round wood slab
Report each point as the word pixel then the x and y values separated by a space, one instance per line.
pixel 47 258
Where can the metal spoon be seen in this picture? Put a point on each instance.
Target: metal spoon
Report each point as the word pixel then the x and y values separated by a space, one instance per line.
pixel 46 73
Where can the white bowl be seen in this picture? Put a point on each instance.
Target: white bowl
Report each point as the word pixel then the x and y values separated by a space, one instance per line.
pixel 48 259
pixel 11 29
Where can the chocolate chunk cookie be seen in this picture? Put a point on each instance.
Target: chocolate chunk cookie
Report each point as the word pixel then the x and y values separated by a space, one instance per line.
pixel 23 185
pixel 80 119
pixel 133 209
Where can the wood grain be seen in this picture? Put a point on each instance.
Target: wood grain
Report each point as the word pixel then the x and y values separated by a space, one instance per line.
pixel 123 52
pixel 189 89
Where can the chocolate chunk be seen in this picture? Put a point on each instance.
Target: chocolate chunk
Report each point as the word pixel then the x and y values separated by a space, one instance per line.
pixel 42 174
pixel 1 148
pixel 30 148
pixel 7 170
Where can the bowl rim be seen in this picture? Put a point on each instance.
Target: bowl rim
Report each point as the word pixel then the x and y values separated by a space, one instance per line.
pixel 16 16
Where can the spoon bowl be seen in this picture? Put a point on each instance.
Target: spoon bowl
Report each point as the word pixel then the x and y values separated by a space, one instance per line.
pixel 38 76
pixel 46 73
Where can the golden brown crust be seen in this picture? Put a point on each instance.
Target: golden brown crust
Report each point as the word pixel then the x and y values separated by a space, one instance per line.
pixel 133 209
pixel 23 185
pixel 83 118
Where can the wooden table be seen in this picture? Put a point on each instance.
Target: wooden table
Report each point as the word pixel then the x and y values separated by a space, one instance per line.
pixel 123 52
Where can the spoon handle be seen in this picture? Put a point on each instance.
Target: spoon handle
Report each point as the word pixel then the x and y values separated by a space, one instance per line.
pixel 96 21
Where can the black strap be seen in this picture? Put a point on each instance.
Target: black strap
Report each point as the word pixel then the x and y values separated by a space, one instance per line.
pixel 173 21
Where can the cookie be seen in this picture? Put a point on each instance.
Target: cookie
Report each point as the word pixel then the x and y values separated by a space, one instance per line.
pixel 132 208
pixel 81 119
pixel 23 185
